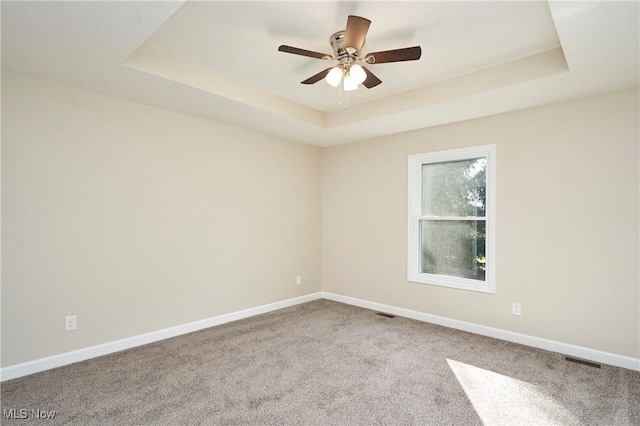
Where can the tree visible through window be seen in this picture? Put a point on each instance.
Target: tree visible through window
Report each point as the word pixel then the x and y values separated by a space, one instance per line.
pixel 449 218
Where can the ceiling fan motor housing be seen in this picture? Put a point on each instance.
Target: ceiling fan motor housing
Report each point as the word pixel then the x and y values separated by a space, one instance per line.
pixel 339 50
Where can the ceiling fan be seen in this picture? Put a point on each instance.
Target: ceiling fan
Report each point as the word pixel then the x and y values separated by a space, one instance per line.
pixel 347 50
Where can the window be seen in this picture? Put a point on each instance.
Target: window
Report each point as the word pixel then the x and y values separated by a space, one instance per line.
pixel 451 218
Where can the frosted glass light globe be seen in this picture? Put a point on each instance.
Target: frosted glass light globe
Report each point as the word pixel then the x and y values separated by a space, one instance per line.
pixel 334 76
pixel 357 73
pixel 349 83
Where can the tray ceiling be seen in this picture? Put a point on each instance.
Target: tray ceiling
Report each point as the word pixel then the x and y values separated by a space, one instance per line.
pixel 219 60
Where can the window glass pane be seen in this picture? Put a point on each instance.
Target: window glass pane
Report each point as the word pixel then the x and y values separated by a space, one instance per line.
pixel 454 248
pixel 455 188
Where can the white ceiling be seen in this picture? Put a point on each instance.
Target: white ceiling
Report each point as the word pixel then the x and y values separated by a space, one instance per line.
pixel 219 60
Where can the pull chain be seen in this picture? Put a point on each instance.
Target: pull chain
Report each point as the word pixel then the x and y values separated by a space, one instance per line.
pixel 346 96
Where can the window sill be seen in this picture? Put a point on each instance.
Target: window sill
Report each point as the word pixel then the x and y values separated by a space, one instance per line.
pixel 453 282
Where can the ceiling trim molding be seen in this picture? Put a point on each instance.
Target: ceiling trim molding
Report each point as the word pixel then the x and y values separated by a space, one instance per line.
pixel 160 64
pixel 526 69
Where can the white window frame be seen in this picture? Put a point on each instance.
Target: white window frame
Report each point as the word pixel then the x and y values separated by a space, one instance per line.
pixel 414 252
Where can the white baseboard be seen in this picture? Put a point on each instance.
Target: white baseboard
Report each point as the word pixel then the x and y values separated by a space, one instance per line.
pixel 510 336
pixel 36 366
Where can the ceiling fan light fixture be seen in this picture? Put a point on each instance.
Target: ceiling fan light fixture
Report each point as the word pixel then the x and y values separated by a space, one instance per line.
pixel 357 73
pixel 334 76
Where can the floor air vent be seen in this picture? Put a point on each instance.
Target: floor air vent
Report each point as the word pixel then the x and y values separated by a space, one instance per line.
pixel 382 314
pixel 583 362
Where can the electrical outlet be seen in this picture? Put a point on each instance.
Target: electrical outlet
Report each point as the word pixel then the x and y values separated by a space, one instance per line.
pixel 299 280
pixel 70 323
pixel 516 309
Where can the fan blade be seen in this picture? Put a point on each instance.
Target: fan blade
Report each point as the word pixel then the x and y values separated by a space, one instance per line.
pixel 303 52
pixel 316 78
pixel 371 80
pixel 355 33
pixel 397 55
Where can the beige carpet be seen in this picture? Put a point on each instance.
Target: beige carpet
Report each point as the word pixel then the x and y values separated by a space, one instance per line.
pixel 326 363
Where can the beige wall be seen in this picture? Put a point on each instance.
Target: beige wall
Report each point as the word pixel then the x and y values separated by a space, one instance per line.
pixel 137 219
pixel 567 222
